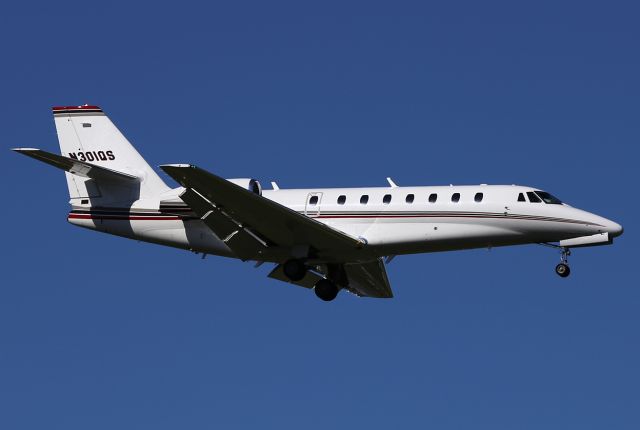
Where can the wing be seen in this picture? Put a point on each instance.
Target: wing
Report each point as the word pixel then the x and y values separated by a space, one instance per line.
pixel 254 226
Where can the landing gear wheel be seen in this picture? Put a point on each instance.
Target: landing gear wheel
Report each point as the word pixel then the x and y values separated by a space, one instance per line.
pixel 326 290
pixel 563 270
pixel 294 269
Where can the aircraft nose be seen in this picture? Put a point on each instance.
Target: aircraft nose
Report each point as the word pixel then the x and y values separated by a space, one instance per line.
pixel 604 225
pixel 614 229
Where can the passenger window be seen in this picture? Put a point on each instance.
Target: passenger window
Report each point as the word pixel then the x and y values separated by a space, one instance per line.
pixel 364 199
pixel 313 200
pixel 521 198
pixel 455 198
pixel 533 198
pixel 342 199
pixel 478 197
pixel 409 198
pixel 433 197
pixel 386 199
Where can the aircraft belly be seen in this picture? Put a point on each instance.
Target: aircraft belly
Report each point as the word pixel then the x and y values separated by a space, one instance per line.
pixel 192 235
pixel 432 232
pixel 409 236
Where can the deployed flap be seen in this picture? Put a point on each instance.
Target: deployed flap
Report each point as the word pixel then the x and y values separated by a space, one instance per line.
pixel 77 167
pixel 369 279
pixel 276 223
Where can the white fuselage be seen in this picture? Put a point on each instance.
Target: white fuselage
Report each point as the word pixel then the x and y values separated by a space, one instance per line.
pixel 326 239
pixel 483 216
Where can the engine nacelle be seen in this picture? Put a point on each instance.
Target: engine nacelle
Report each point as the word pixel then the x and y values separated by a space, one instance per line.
pixel 248 184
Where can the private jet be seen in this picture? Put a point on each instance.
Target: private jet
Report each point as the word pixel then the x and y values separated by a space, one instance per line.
pixel 325 239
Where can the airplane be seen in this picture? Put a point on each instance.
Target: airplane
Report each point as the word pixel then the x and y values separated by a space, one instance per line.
pixel 325 239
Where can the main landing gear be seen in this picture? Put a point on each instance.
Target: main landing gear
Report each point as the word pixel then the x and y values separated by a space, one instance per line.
pixel 563 269
pixel 296 270
pixel 326 290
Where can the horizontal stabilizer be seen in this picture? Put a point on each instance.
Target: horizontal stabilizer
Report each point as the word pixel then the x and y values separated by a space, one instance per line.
pixel 77 167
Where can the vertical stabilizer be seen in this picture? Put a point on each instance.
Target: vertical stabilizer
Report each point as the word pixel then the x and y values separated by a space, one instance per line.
pixel 85 133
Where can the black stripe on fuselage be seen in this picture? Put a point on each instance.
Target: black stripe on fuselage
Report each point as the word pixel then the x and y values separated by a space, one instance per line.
pixel 347 215
pixel 123 214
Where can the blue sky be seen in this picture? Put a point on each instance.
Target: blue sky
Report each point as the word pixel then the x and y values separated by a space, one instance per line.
pixel 100 332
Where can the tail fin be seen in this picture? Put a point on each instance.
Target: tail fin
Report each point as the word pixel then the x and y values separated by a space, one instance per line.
pixel 86 134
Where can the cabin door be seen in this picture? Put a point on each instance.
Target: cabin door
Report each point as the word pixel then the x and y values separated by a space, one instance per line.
pixel 312 208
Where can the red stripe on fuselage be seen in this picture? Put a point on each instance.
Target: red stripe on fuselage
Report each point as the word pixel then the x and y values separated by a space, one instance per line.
pixel 124 218
pixel 492 216
pixel 78 108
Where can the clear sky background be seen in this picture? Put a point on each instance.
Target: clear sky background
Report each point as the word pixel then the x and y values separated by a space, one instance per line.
pixel 101 332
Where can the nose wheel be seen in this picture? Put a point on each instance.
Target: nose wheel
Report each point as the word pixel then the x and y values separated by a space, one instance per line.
pixel 563 269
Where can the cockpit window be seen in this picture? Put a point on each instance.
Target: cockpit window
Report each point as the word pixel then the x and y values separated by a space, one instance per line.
pixel 548 198
pixel 533 198
pixel 521 198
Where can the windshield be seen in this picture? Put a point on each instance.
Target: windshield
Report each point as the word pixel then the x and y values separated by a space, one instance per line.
pixel 548 198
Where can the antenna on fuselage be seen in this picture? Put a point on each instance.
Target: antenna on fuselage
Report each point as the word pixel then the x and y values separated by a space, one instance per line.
pixel 391 183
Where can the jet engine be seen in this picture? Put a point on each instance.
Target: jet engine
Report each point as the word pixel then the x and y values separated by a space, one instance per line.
pixel 248 184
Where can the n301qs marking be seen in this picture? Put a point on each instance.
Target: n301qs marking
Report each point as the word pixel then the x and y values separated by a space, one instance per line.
pixel 325 239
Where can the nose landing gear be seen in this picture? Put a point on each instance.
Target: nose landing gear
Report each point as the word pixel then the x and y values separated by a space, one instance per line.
pixel 563 269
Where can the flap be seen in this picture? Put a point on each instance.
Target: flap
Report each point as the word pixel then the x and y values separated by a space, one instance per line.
pixel 369 279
